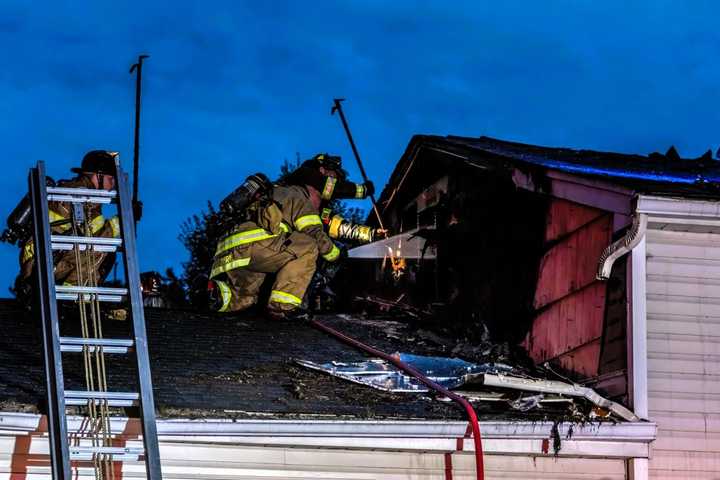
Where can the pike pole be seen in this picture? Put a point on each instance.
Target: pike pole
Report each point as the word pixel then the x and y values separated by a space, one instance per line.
pixel 136 158
pixel 337 107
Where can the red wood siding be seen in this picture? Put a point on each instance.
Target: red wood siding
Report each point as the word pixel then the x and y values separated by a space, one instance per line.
pixel 570 303
pixel 575 320
pixel 565 217
pixel 572 264
pixel 583 361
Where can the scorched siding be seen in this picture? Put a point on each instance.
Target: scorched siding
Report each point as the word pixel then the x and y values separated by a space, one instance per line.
pixel 683 341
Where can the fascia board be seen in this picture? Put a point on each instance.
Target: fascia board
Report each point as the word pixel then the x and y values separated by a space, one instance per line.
pixel 15 423
pixel 677 209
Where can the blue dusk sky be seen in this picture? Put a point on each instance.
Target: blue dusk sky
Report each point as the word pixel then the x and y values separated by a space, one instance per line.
pixel 235 87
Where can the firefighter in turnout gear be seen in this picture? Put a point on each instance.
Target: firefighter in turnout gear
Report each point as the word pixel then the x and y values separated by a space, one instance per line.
pixel 325 173
pixel 97 171
pixel 280 232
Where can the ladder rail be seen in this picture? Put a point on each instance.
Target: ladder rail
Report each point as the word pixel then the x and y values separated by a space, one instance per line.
pixel 62 453
pixel 57 425
pixel 132 273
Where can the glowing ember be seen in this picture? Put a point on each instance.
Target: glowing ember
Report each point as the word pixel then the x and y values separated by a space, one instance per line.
pixel 397 262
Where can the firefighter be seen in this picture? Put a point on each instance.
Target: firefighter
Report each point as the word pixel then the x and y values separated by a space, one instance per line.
pixel 325 173
pixel 97 171
pixel 278 231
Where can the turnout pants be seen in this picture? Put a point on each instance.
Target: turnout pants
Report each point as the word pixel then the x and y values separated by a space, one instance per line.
pixel 291 257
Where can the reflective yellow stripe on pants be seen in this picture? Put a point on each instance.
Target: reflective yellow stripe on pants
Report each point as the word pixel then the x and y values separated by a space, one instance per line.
pixel 283 297
pixel 227 263
pixel 226 295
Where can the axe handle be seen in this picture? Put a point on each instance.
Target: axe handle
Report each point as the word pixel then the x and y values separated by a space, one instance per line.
pixel 338 108
pixel 138 95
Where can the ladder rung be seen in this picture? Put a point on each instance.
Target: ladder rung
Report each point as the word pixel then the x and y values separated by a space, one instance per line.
pixel 82 191
pixel 103 294
pixel 86 240
pixel 78 199
pixel 119 454
pixel 83 247
pixel 89 298
pixel 91 290
pixel 114 399
pixel 80 195
pixel 109 345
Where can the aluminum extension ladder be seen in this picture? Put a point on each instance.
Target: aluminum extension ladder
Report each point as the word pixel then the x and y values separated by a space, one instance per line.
pixel 61 451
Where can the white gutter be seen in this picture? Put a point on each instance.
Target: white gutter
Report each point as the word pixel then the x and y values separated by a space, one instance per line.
pixel 681 210
pixel 599 440
pixel 637 431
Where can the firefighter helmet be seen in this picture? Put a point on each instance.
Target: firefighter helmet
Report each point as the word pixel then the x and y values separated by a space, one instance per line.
pixel 98 161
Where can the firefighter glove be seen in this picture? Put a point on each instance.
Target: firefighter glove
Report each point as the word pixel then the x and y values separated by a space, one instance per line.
pixel 369 188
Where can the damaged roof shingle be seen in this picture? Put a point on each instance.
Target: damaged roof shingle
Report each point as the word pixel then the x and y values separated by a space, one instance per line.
pixel 655 173
pixel 243 366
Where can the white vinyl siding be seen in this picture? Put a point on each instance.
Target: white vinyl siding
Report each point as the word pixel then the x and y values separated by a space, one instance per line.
pixel 683 343
pixel 192 461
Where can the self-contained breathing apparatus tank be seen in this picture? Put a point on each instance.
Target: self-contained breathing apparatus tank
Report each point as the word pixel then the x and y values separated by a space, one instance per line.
pixel 19 222
pixel 255 187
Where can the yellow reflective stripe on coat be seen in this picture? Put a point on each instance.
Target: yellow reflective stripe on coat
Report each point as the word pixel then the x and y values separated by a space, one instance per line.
pixel 97 223
pixel 283 297
pixel 328 188
pixel 56 217
pixel 28 251
pixel 242 238
pixel 333 254
pixel 226 263
pixel 226 295
pixel 115 226
pixel 306 221
pixel 325 215
pixel 285 227
pixel 359 190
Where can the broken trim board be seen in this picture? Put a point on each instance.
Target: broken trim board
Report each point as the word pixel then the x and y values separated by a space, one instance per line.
pixel 553 386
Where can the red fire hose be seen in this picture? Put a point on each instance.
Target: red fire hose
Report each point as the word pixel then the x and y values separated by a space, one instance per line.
pixel 472 417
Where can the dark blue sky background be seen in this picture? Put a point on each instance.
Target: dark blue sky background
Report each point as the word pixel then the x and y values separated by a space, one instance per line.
pixel 234 87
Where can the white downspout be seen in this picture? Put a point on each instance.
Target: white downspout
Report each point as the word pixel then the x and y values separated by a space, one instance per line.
pixel 622 246
pixel 638 467
pixel 634 242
